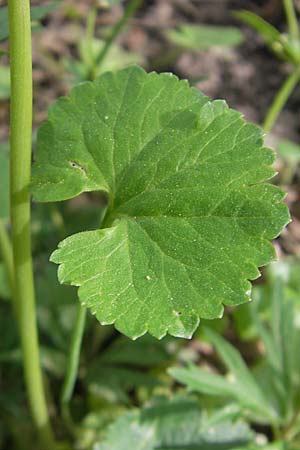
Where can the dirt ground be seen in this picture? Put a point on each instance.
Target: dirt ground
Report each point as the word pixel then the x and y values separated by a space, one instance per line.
pixel 247 77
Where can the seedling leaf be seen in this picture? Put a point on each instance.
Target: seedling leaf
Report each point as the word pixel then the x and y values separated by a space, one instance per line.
pixel 189 218
pixel 269 33
pixel 200 380
pixel 280 44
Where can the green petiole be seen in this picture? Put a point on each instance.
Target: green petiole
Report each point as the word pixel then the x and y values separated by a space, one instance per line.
pixel 20 163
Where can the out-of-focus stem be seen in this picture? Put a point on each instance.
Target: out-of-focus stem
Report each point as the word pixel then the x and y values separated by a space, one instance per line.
pixel 281 99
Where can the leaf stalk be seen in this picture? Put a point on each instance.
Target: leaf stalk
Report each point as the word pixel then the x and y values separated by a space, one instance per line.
pixel 20 163
pixel 73 361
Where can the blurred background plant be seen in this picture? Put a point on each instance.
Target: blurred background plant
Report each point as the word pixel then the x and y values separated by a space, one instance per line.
pixel 285 46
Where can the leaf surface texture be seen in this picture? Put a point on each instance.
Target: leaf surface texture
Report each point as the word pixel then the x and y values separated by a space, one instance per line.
pixel 189 217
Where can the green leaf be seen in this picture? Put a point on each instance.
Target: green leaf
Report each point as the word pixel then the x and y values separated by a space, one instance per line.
pixel 205 382
pixel 239 384
pixel 239 373
pixel 203 37
pixel 198 380
pixel 234 362
pixel 277 42
pixel 289 151
pixel 275 318
pixel 269 33
pixel 281 341
pixel 177 424
pixel 189 217
pixel 37 13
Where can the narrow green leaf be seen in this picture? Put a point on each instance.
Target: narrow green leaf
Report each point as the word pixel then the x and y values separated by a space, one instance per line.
pixel 289 151
pixel 203 381
pixel 269 33
pixel 235 365
pixel 284 330
pixel 189 217
pixel 177 424
pixel 203 37
pixel 198 380
pixel 278 43
pixel 277 327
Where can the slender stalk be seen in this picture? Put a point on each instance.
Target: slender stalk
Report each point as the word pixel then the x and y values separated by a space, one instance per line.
pixel 131 8
pixel 73 361
pixel 291 18
pixel 7 256
pixel 91 23
pixel 90 32
pixel 281 99
pixel 20 161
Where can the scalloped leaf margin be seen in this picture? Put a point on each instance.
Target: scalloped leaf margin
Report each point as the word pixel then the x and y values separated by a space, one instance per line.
pixel 190 218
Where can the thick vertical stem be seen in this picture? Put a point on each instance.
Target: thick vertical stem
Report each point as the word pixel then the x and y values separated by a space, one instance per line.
pixel 20 162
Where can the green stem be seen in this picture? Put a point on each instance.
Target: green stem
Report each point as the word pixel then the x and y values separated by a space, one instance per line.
pixel 129 12
pixel 20 162
pixel 90 32
pixel 281 99
pixel 90 24
pixel 291 19
pixel 7 256
pixel 73 361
